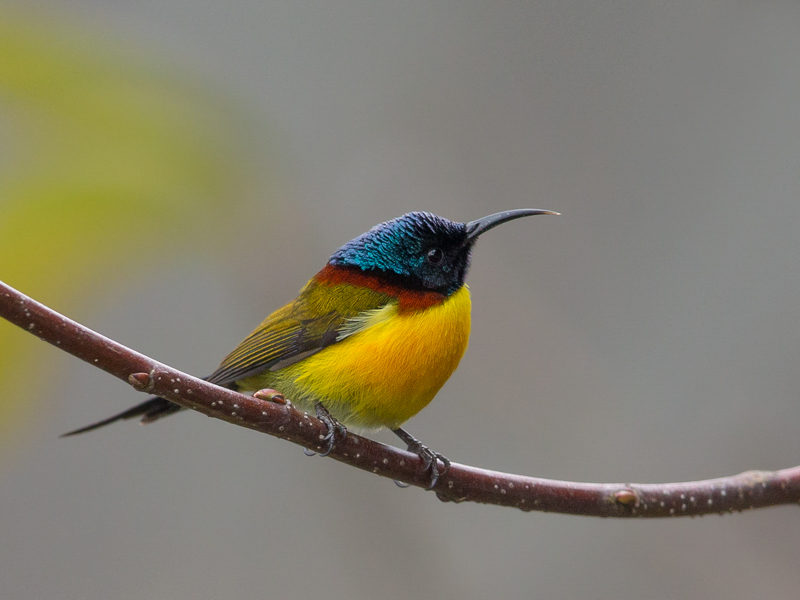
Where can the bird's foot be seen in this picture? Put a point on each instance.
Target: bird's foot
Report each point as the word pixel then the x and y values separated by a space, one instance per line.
pixel 430 459
pixel 336 431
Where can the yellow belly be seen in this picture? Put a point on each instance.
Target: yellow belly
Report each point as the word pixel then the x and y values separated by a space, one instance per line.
pixel 384 375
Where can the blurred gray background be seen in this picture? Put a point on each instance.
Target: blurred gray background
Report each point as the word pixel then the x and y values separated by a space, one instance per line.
pixel 651 333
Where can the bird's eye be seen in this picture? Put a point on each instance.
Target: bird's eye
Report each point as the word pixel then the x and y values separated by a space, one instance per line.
pixel 434 256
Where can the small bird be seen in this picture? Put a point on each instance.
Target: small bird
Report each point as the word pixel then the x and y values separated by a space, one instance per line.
pixel 371 338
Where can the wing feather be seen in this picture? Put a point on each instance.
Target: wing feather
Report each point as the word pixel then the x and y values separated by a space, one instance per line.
pixel 315 320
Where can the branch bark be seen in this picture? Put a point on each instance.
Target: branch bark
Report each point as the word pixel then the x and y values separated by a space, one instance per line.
pixel 463 483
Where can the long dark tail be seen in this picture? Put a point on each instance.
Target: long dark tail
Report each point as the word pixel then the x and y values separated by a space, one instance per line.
pixel 150 410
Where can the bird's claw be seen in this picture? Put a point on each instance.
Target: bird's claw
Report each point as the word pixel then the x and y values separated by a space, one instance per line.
pixel 431 461
pixel 336 431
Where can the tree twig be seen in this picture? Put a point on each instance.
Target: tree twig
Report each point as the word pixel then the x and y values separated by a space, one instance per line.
pixel 753 489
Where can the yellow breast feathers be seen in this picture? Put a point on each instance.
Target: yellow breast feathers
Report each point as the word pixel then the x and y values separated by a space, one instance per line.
pixel 387 366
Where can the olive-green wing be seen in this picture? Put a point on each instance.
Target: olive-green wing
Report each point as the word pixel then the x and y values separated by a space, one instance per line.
pixel 313 321
pixel 320 316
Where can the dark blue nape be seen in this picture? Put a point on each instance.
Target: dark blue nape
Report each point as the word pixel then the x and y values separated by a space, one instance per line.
pixel 406 250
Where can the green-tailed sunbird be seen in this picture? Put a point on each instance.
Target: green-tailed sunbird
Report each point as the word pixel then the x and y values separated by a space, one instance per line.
pixel 371 338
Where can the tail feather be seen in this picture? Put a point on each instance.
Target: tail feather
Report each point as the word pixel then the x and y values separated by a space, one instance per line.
pixel 150 410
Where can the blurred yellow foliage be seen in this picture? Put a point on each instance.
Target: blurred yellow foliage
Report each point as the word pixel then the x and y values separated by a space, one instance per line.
pixel 103 163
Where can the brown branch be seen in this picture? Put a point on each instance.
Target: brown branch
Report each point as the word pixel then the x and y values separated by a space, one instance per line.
pixel 753 489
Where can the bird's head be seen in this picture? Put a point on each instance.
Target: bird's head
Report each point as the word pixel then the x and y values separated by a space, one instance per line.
pixel 420 250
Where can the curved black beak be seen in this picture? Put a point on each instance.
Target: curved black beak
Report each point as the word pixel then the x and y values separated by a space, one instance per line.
pixel 476 228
